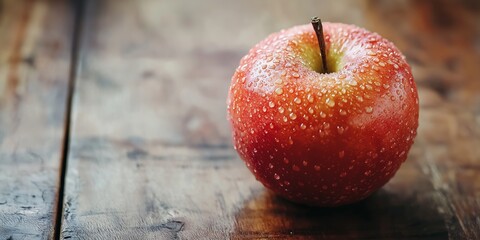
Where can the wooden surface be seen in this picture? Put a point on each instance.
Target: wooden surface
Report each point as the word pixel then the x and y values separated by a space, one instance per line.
pixel 149 153
pixel 35 39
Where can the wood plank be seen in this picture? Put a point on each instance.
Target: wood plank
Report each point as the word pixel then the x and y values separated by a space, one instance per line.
pixel 35 39
pixel 150 154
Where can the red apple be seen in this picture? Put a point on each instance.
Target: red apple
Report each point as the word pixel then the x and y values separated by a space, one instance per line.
pixel 323 138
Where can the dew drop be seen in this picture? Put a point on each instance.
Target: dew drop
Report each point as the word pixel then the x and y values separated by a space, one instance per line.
pixel 316 167
pixel 330 102
pixel 310 110
pixel 342 76
pixel 270 166
pixel 293 116
pixel 295 168
pixel 368 173
pixel 264 109
pixel 303 126
pixel 343 112
pixel 310 98
pixel 340 129
pixel 285 160
pixel 281 109
pixel 279 91
pixel 295 75
pixel 323 115
pixel 297 100
pixel 276 176
pixel 271 104
pixel 368 109
pixel 305 163
pixel 353 83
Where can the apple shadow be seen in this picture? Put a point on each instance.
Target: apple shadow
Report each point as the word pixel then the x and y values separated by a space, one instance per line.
pixel 384 215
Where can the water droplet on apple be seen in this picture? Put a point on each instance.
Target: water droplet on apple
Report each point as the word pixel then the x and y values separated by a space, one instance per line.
pixel 342 76
pixel 368 109
pixel 293 116
pixel 297 100
pixel 310 98
pixel 279 91
pixel 316 167
pixel 340 129
pixel 270 165
pixel 276 176
pixel 310 110
pixel 295 168
pixel 305 163
pixel 323 115
pixel 295 75
pixel 303 126
pixel 281 109
pixel 342 112
pixel 330 102
pixel 341 154
pixel 271 104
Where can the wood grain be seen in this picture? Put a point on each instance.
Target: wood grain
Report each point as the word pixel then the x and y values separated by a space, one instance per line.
pixel 35 41
pixel 150 154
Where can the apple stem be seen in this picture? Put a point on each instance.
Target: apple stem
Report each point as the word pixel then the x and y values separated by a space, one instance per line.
pixel 317 26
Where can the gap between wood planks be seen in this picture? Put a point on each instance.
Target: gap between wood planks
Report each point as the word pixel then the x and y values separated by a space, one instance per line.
pixel 79 13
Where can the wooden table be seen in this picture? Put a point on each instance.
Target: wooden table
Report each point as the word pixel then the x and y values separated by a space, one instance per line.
pixel 112 122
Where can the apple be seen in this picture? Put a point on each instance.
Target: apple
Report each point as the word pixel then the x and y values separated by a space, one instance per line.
pixel 323 136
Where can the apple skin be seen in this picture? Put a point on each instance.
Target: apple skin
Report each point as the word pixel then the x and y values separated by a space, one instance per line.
pixel 323 139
